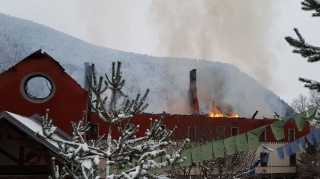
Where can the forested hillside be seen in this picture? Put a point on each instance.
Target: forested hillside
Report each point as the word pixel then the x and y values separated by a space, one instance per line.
pixel 168 78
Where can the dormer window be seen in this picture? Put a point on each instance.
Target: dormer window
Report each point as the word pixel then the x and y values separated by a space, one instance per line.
pixel 37 87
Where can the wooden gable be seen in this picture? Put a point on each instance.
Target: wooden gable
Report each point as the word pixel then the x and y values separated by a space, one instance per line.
pixel 22 152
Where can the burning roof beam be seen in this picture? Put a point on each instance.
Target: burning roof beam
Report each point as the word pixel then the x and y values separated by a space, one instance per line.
pixel 254 115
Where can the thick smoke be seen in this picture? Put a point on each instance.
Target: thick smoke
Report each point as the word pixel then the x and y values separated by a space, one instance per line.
pixel 230 31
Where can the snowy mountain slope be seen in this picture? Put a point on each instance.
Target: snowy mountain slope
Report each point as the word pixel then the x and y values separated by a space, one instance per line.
pixel 168 78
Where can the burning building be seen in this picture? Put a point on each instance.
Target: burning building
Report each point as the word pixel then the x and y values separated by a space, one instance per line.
pixel 67 99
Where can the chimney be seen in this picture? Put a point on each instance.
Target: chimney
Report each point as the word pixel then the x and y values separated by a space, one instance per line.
pixel 193 98
pixel 87 73
pixel 212 106
pixel 87 77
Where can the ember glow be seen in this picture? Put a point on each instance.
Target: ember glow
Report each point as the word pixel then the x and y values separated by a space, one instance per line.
pixel 226 111
pixel 215 114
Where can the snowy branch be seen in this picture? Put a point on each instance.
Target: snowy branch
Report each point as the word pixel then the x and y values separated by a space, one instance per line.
pixel 305 50
pixel 311 84
pixel 115 84
pixel 311 5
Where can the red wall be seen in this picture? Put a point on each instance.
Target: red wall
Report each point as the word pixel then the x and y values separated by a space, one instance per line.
pixel 206 127
pixel 67 104
pixel 69 101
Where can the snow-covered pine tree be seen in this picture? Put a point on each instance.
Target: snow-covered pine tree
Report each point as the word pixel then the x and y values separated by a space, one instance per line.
pixel 83 158
pixel 131 156
pixel 304 49
pixel 309 162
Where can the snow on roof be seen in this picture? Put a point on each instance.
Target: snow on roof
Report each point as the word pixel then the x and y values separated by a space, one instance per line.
pixel 33 124
pixel 31 127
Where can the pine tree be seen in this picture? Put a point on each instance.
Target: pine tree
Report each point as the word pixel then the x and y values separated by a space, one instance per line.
pixel 128 156
pixel 310 161
pixel 312 53
pixel 82 158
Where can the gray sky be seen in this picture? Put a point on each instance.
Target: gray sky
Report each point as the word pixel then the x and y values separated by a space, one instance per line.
pixel 247 33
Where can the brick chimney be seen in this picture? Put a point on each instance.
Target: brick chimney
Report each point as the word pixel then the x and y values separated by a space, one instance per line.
pixel 193 98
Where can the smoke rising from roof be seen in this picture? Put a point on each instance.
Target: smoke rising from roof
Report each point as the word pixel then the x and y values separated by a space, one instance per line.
pixel 218 30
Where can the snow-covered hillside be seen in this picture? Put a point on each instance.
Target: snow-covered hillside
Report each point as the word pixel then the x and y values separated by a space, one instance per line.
pixel 168 78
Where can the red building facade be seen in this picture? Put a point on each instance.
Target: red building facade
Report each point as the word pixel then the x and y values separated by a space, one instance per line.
pixel 201 127
pixel 67 100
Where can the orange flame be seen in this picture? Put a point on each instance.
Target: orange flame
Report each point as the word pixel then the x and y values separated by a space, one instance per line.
pixel 215 114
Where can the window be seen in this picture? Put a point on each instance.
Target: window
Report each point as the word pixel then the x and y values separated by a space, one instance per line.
pixel 191 132
pixel 263 162
pixel 234 131
pixel 293 160
pixel 263 136
pixel 291 136
pixel 163 126
pixel 37 87
pixel 220 132
pixel 94 131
